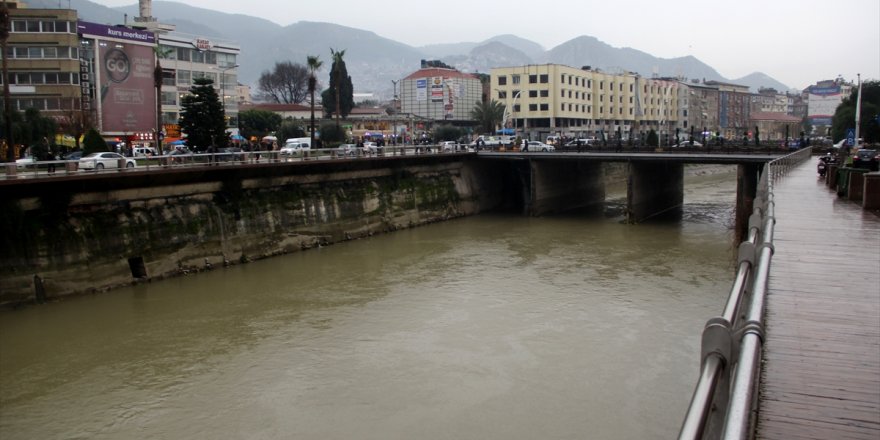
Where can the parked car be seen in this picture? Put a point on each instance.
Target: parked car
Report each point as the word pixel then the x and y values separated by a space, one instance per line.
pixel 868 159
pixel 25 162
pixel 294 149
pixel 346 150
pixel 584 142
pixel 144 152
pixel 73 155
pixel 688 144
pixel 539 146
pixel 449 146
pixel 230 154
pixel 371 148
pixel 101 160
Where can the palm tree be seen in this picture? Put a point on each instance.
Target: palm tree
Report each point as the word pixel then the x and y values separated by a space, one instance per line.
pixel 337 61
pixel 314 64
pixel 488 114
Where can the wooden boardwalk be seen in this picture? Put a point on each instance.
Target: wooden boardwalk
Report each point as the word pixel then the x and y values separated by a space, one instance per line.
pixel 821 373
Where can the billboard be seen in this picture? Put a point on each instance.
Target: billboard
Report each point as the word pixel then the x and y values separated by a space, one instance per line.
pixel 123 71
pixel 437 89
pixel 822 102
pixel 421 89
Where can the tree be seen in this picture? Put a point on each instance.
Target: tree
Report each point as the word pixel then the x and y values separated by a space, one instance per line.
pixel 447 133
pixel 331 134
pixel 339 97
pixel 202 117
pixel 757 137
pixel 845 115
pixel 488 114
pixel 287 83
pixel 7 102
pixel 653 140
pixel 93 142
pixel 314 64
pixel 289 129
pixel 258 123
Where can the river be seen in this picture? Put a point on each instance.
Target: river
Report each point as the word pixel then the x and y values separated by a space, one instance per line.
pixel 488 327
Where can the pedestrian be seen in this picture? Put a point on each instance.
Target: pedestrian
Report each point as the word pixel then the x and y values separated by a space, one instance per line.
pixel 525 145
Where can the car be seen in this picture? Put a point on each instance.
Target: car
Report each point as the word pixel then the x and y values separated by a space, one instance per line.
pixel 535 146
pixel 230 154
pixel 371 148
pixel 686 144
pixel 449 146
pixel 346 150
pixel 867 159
pixel 25 162
pixel 144 152
pixel 73 155
pixel 582 142
pixel 180 153
pixel 294 149
pixel 101 160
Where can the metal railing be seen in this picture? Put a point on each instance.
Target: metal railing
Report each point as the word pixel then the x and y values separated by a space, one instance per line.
pixel 724 400
pixel 53 168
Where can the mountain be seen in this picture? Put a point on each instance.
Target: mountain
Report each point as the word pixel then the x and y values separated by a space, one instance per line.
pixel 758 80
pixel 374 61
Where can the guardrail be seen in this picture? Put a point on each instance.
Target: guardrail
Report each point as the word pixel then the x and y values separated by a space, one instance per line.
pixel 724 397
pixel 52 168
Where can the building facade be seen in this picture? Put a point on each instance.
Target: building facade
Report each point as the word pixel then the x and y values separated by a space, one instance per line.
pixel 554 99
pixel 440 94
pixel 43 56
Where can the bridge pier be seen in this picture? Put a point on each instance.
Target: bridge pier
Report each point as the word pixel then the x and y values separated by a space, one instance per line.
pixel 654 189
pixel 564 185
pixel 747 176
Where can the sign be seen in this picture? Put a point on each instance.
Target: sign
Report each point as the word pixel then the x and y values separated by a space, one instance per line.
pixel 850 137
pixel 421 89
pixel 202 44
pixel 102 31
pixel 437 89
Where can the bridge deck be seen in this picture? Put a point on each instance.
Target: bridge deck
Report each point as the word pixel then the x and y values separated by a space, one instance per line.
pixel 821 377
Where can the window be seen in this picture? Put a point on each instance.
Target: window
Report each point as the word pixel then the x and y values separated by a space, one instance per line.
pixel 169 98
pixel 545 93
pixel 601 85
pixel 563 94
pixel 502 80
pixel 533 107
pixel 545 107
pixel 533 93
pixel 545 79
pixel 184 78
pixel 183 54
pixel 502 94
pixel 516 107
pixel 533 79
pixel 514 79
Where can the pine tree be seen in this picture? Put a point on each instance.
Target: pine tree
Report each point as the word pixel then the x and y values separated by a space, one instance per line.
pixel 341 91
pixel 202 117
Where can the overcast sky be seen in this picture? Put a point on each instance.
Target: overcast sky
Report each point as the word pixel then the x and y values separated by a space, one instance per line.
pixel 797 42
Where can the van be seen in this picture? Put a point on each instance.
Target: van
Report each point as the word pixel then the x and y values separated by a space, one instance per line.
pixel 303 140
pixel 144 152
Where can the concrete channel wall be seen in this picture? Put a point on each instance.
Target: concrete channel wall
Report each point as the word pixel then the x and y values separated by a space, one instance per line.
pixel 70 236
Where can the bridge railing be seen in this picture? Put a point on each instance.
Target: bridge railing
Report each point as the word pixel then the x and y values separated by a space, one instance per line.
pixel 724 397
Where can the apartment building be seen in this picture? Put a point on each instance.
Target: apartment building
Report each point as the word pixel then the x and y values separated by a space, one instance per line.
pixel 554 99
pixel 43 53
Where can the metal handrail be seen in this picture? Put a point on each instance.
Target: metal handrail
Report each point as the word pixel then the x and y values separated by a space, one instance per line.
pixel 724 397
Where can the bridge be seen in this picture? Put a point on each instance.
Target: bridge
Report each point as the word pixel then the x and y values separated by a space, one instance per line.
pixel 796 352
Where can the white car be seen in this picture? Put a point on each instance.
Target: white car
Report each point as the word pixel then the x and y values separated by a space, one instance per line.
pixel 101 160
pixel 449 146
pixel 294 148
pixel 370 148
pixel 539 146
pixel 688 144
pixel 25 162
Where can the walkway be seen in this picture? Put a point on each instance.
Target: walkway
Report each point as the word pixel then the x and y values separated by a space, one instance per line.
pixel 821 376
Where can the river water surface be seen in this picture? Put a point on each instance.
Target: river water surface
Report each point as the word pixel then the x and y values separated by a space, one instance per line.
pixel 489 327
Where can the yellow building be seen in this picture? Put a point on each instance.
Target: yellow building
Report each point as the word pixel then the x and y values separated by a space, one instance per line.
pixel 553 99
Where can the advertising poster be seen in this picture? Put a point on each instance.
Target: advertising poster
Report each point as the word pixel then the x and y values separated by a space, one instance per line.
pixel 822 103
pixel 127 95
pixel 421 89
pixel 437 89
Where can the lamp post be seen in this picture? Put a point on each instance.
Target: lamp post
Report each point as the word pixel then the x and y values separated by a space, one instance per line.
pixel 223 71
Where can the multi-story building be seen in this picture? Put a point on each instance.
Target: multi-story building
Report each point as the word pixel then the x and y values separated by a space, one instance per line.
pixel 554 99
pixel 43 58
pixel 822 101
pixel 440 94
pixel 734 103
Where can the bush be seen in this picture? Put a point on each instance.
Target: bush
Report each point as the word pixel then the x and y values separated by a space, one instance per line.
pixel 331 134
pixel 447 133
